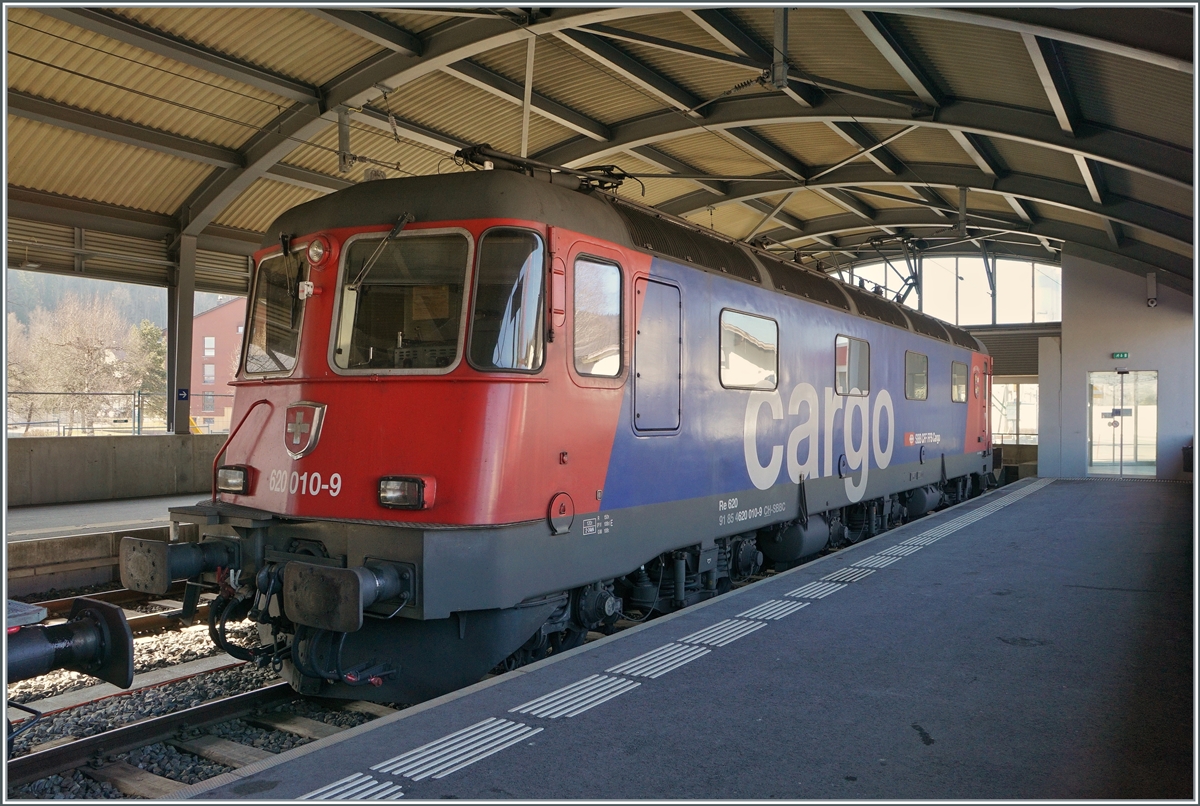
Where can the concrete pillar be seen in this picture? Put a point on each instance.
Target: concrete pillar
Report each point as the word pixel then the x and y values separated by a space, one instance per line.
pixel 1050 407
pixel 179 349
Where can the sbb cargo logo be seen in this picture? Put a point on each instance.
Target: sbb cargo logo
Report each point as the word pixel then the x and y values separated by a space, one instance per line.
pixel 921 439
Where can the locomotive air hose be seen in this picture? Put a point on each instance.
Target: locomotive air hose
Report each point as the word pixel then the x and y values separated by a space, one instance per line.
pixel 218 613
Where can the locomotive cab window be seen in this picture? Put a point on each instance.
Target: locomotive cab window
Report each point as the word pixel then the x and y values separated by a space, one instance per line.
pixel 276 310
pixel 597 318
pixel 916 376
pixel 401 303
pixel 852 365
pixel 958 382
pixel 749 351
pixel 509 316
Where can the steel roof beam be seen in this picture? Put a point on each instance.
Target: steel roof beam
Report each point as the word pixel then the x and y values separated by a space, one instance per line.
pixel 1152 35
pixel 296 125
pixel 513 92
pixel 1129 253
pixel 720 27
pixel 372 28
pixel 632 69
pixel 904 63
pixel 1052 72
pixel 846 201
pixel 411 131
pixel 113 26
pixel 980 152
pixel 1093 178
pixel 1176 226
pixel 91 123
pixel 766 151
pixel 1143 155
pixel 930 195
pixel 855 134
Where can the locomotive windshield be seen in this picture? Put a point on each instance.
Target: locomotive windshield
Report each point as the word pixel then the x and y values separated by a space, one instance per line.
pixel 275 320
pixel 406 313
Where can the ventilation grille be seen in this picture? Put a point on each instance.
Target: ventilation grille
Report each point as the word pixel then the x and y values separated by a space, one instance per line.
pixel 927 326
pixel 876 307
pixel 1012 353
pixel 687 245
pixel 221 273
pixel 961 337
pixel 49 246
pixel 804 283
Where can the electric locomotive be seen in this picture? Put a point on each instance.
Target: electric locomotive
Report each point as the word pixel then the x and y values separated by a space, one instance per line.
pixel 481 414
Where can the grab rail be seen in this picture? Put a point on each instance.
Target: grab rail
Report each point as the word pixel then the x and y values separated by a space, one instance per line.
pixel 232 434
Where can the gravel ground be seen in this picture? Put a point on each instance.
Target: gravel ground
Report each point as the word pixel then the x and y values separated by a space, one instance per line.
pixel 97 717
pixel 170 762
pixel 73 785
pixel 149 653
pixel 66 593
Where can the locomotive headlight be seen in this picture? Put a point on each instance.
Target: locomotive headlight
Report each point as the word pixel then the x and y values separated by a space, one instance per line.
pixel 407 492
pixel 233 479
pixel 321 250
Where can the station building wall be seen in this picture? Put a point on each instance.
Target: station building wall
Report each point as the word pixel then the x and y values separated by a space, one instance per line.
pixel 1104 311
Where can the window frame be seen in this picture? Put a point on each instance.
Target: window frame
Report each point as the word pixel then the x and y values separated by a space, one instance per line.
pixel 335 316
pixel 205 378
pixel 966 381
pixel 252 297
pixel 720 330
pixel 587 256
pixel 907 353
pixel 543 305
pixel 867 392
pixel 210 352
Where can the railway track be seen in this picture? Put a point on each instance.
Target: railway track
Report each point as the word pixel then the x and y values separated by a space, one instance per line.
pixel 168 616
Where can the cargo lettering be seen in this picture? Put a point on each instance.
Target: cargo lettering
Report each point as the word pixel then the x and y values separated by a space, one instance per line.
pixel 867 430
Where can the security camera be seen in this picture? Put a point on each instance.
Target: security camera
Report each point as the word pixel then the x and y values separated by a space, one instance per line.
pixel 1151 289
pixel 1152 302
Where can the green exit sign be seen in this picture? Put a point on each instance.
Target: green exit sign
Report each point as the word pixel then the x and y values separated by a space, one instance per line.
pixel 1120 355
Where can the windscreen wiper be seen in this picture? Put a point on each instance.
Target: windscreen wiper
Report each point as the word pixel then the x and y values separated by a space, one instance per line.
pixel 404 220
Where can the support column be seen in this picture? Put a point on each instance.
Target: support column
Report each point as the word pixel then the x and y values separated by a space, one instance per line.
pixel 179 349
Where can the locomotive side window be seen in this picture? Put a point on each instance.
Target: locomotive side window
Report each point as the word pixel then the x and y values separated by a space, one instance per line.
pixel 852 365
pixel 916 376
pixel 275 318
pixel 958 382
pixel 749 351
pixel 508 323
pixel 402 309
pixel 597 318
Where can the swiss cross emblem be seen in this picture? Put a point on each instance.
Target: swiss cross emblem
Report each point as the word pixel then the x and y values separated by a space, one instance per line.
pixel 302 427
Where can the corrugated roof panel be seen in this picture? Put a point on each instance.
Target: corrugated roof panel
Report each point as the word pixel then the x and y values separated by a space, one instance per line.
pixel 1156 239
pixel 734 220
pixel 37 246
pixel 980 200
pixel 125 82
pixel 808 205
pixel 413 22
pixel 827 43
pixel 929 144
pixel 219 273
pixel 44 157
pixel 568 76
pixel 1148 189
pixel 970 61
pixel 1132 95
pixel 448 105
pixel 288 41
pixel 703 78
pixel 713 154
pixel 1029 159
pixel 813 144
pixel 261 203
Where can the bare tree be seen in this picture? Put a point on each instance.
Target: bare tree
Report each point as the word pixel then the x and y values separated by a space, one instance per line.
pixel 21 371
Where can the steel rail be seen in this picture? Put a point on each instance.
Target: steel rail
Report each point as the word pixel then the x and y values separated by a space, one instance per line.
pixel 31 767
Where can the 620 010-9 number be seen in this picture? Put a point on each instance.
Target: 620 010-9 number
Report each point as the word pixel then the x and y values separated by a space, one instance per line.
pixel 283 481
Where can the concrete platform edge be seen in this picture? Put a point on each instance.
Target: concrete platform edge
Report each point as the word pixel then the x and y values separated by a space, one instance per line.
pixel 195 790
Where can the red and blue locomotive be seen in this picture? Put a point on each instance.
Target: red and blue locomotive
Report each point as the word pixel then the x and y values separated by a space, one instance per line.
pixel 480 414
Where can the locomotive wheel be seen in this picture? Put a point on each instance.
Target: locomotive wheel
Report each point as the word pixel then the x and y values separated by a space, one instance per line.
pixel 567 639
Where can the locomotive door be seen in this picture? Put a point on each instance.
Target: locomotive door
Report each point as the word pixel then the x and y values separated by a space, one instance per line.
pixel 657 357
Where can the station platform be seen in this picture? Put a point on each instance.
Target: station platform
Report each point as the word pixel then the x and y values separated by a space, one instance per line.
pixel 1032 643
pixel 88 517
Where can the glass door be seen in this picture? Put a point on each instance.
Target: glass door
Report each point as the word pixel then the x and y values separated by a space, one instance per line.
pixel 1122 423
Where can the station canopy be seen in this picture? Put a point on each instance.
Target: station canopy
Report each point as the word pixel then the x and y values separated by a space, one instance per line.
pixel 832 136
